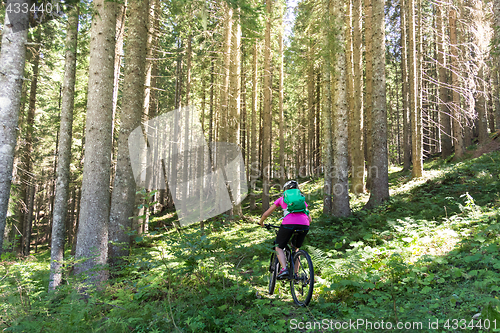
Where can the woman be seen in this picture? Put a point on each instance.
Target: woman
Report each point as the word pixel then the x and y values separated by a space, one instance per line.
pixel 291 222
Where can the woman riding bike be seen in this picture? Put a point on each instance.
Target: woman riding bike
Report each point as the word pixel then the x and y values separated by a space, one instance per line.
pixel 292 221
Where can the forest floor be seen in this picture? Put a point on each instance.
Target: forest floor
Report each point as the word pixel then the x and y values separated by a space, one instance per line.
pixel 427 260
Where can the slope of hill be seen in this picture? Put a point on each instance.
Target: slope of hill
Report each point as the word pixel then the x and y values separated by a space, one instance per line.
pixel 427 260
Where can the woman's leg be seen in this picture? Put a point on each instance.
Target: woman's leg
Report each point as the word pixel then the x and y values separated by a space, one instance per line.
pixel 281 256
pixel 282 238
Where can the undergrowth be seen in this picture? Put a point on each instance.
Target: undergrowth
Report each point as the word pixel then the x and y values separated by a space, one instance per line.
pixel 428 256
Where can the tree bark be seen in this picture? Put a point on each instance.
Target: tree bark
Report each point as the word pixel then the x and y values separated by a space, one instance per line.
pixel 310 108
pixel 266 112
pixel 405 87
pixel 28 223
pixel 224 93
pixel 496 68
pixel 27 176
pixel 254 164
pixel 340 117
pixel 64 158
pixel 187 116
pixel 379 160
pixel 369 87
pixel 12 60
pixel 151 64
pixel 446 142
pixel 356 139
pixel 482 121
pixel 327 143
pixel 281 115
pixel 234 112
pixel 317 131
pixel 415 110
pixel 124 190
pixel 457 126
pixel 120 33
pixel 92 239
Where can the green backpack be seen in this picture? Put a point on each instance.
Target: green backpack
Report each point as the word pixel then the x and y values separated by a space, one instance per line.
pixel 295 202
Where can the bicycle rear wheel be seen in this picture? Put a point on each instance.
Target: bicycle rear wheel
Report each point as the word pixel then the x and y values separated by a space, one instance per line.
pixel 273 269
pixel 302 283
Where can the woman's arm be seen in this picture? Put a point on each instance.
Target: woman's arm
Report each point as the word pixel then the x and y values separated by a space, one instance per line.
pixel 266 214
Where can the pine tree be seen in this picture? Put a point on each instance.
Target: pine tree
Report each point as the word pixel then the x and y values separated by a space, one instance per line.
pixel 415 110
pixel 64 158
pixel 92 238
pixel 282 170
pixel 457 117
pixel 28 179
pixel 254 165
pixel 357 126
pixel 124 189
pixel 266 112
pixel 446 142
pixel 379 160
pixel 340 118
pixel 12 60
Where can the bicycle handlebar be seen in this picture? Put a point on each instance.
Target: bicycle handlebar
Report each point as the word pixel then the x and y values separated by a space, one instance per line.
pixel 269 226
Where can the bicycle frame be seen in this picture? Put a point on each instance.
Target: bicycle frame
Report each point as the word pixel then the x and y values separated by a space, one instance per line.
pixel 289 250
pixel 302 281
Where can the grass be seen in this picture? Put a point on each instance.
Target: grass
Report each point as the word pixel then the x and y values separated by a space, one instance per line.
pixel 428 257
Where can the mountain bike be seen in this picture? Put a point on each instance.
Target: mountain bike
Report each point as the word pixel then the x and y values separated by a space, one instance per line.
pixel 300 272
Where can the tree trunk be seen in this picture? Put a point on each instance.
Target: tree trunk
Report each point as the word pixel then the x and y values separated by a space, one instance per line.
pixel 281 116
pixel 187 114
pixel 234 112
pixel 71 218
pixel 482 121
pixel 224 93
pixel 421 87
pixel 124 190
pixel 28 178
pixel 369 87
pixel 64 158
pixel 340 116
pixel 92 242
pixel 496 69
pixel 151 64
pixel 405 87
pixel 356 139
pixel 12 59
pixel 310 109
pixel 266 112
pixel 254 164
pixel 379 161
pixel 446 144
pixel 491 108
pixel 348 21
pixel 28 223
pixel 317 131
pixel 415 110
pixel 120 33
pixel 327 143
pixel 457 126
pixel 244 137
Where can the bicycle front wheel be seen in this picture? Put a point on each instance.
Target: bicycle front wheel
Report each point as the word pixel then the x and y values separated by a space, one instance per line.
pixel 273 269
pixel 302 283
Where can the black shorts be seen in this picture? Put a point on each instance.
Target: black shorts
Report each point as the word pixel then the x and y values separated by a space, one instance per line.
pixel 287 230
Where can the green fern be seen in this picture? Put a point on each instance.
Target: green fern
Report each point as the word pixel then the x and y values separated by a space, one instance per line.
pixel 320 258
